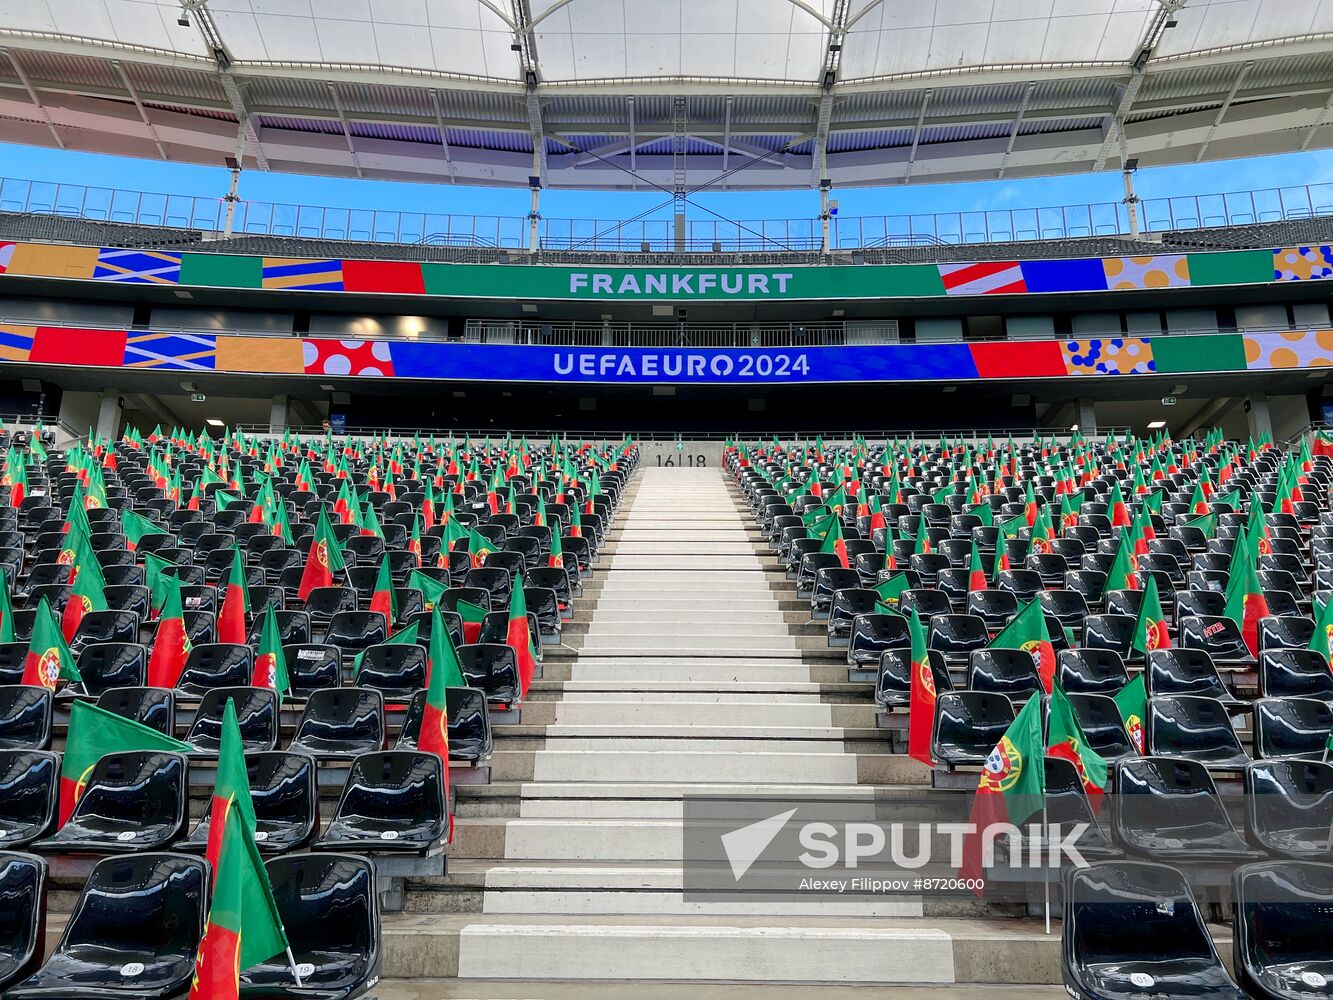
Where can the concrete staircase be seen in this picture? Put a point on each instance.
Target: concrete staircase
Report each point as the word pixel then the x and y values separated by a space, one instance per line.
pixel 690 676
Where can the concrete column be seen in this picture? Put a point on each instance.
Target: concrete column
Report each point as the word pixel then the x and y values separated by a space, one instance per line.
pixel 108 414
pixel 1256 413
pixel 277 414
pixel 1085 415
pixel 79 411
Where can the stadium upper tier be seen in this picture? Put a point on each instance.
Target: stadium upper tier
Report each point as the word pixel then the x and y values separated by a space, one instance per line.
pixel 677 94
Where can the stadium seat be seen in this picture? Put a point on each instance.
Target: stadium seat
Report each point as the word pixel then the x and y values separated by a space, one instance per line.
pixel 847 604
pixel 1103 725
pixel 926 603
pixel 216 664
pixel 133 801
pixel 893 683
pixel 354 631
pixel 1110 632
pixel 470 736
pixel 873 633
pixel 1299 672
pixel 828 582
pixel 1090 671
pixel 282 788
pixel 994 607
pixel 151 707
pixel 144 912
pixel 1184 671
pixel 1195 727
pixel 256 716
pixel 968 725
pixel 1067 805
pixel 393 802
pixel 25 717
pixel 1281 928
pixel 956 636
pixel 105 665
pixel 396 670
pixel 29 791
pixel 105 626
pixel 493 668
pixel 311 666
pixel 1010 672
pixel 1132 929
pixel 329 906
pixel 293 627
pixel 22 916
pixel 1289 807
pixel 1219 637
pixel 341 722
pixel 1291 727
pixel 1168 809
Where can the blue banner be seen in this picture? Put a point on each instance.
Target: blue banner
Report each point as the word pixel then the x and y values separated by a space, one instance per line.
pixel 683 366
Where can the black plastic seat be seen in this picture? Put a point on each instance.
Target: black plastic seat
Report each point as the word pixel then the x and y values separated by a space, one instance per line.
pixel 1219 637
pixel 1067 805
pixel 893 683
pixel 329 906
pixel 1289 807
pixel 1010 672
pixel 1280 929
pixel 144 911
pixel 1113 632
pixel 493 668
pixel 217 664
pixel 1285 632
pixel 256 716
pixel 105 665
pixel 311 666
pixel 22 916
pixel 872 634
pixel 105 626
pixel 827 583
pixel 201 627
pixel 353 631
pixel 1301 672
pixel 1090 671
pixel 1291 727
pixel 293 627
pixel 341 722
pixel 29 794
pixel 1171 811
pixel 470 736
pixel 1132 930
pixel 25 717
pixel 394 802
pixel 1068 607
pixel 133 801
pixel 994 607
pixel 926 603
pixel 968 725
pixel 323 603
pixel 957 636
pixel 1194 727
pixel 845 607
pixel 498 584
pixel 151 707
pixel 286 803
pixel 1184 671
pixel 1103 726
pixel 397 670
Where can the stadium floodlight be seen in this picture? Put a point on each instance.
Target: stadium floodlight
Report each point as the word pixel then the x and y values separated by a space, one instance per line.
pixel 1156 425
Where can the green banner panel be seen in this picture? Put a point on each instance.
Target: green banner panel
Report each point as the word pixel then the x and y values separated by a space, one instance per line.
pixel 222 270
pixel 1219 352
pixel 1243 267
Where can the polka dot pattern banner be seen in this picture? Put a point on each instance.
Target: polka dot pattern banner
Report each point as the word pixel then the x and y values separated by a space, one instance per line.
pixel 1109 356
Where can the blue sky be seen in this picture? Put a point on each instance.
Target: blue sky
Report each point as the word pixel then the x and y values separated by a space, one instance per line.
pixel 1296 169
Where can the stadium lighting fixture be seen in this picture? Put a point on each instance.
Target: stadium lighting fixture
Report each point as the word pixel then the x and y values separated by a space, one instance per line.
pixel 214 422
pixel 1156 425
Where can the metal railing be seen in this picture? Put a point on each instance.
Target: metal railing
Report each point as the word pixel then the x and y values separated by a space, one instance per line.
pixel 657 235
pixel 573 333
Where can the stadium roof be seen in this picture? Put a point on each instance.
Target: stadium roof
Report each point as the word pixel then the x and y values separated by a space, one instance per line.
pixel 640 93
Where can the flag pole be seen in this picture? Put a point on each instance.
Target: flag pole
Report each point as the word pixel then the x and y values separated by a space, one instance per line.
pixel 1046 868
pixel 295 975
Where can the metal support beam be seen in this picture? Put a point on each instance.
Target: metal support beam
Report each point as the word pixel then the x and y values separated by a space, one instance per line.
pixel 347 131
pixel 32 96
pixel 679 167
pixel 1013 131
pixel 1319 122
pixel 726 134
pixel 437 103
pixel 525 44
pixel 634 139
pixel 1114 127
pixel 1222 111
pixel 138 104
pixel 916 135
pixel 208 30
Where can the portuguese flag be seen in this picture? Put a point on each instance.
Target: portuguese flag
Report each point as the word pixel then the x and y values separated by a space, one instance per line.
pixel 1150 632
pixel 88 592
pixel 1132 701
pixel 271 663
pixel 323 560
pixel 383 599
pixel 94 732
pixel 473 617
pixel 1027 630
pixel 231 786
pixel 1012 784
pixel 921 695
pixel 49 659
pixel 1121 574
pixel 891 590
pixel 137 527
pixel 453 534
pixel 518 637
pixel 442 672
pixel 556 560
pixel 976 576
pixel 479 547
pixel 432 590
pixel 1245 599
pixel 243 926
pixel 834 542
pixel 406 637
pixel 6 611
pixel 1065 738
pixel 171 644
pixel 1321 641
pixel 235 603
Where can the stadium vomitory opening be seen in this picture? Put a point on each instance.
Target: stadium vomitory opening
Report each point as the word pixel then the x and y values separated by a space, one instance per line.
pixel 744 499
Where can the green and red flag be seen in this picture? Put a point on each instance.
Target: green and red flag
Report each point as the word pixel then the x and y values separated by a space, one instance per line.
pixel 1116 509
pixel 156 573
pixel 231 786
pixel 323 560
pixel 891 590
pixel 432 590
pixel 1012 784
pixel 1065 738
pixel 473 617
pixel 243 926
pixel 834 542
pixel 1322 639
pixel 1132 701
pixel 271 661
pixel 976 574
pixel 1245 598
pixel 1150 631
pixel 95 732
pixel 1027 630
pixel 171 643
pixel 6 610
pixel 136 527
pixel 48 660
pixel 443 671
pixel 383 599
pixel 1121 574
pixel 518 636
pixel 921 694
pixel 556 558
pixel 88 592
pixel 479 547
pixel 235 603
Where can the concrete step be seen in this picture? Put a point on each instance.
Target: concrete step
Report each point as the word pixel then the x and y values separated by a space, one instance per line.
pixel 686 625
pixel 829 742
pixel 694 714
pixel 745 647
pixel 694 766
pixel 612 614
pixel 688 731
pixel 500 989
pixel 684 670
